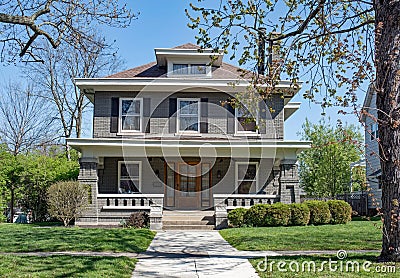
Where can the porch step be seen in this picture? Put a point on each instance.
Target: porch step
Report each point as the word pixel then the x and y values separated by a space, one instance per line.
pixel 188 227
pixel 188 220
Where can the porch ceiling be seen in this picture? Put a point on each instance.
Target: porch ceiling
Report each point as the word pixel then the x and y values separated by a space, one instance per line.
pixel 186 148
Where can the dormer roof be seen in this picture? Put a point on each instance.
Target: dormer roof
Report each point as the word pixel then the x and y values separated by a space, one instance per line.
pixel 152 70
pixel 188 51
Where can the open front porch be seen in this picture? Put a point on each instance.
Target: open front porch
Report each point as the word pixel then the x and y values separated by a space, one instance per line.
pixel 128 177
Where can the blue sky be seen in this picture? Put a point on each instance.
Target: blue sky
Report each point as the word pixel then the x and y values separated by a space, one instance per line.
pixel 164 24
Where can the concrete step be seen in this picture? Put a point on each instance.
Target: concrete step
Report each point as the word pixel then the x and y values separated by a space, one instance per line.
pixel 188 227
pixel 187 218
pixel 186 222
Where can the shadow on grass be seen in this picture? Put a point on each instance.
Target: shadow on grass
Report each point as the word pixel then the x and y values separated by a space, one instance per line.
pixel 26 238
pixel 66 266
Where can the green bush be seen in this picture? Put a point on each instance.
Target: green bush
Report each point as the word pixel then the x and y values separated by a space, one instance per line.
pixel 340 211
pixel 254 216
pixel 319 212
pixel 299 214
pixel 236 217
pixel 277 214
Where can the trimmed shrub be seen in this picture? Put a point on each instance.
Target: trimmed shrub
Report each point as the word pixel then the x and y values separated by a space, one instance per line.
pixel 254 216
pixel 138 219
pixel 236 217
pixel 277 214
pixel 299 214
pixel 67 200
pixel 340 211
pixel 319 212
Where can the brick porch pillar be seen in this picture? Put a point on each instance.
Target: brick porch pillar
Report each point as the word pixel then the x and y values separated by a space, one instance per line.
pixel 88 176
pixel 289 182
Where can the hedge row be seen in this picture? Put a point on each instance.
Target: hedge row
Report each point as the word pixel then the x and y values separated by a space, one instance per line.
pixel 278 214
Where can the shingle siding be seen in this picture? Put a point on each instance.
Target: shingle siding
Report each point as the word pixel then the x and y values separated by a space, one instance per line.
pixel 372 155
pixel 217 116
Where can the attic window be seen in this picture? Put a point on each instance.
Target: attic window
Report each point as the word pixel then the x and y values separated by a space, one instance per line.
pixel 189 69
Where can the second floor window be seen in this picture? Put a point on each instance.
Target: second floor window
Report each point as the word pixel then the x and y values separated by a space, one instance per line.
pixel 374 131
pixel 188 115
pixel 246 123
pixel 130 114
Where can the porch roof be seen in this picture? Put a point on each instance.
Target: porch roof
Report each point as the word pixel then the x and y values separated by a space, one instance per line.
pixel 141 147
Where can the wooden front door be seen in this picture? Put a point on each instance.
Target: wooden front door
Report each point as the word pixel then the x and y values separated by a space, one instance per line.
pixel 188 186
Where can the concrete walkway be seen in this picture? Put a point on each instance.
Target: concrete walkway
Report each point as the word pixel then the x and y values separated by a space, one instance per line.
pixel 192 254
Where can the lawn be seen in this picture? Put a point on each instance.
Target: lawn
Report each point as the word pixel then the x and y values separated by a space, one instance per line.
pixel 355 265
pixel 356 235
pixel 65 266
pixel 29 238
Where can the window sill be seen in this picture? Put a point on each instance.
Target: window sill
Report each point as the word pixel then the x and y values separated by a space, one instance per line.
pixel 133 133
pixel 192 134
pixel 247 134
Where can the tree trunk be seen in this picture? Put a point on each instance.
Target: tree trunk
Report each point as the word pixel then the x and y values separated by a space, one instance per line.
pixel 12 204
pixel 387 46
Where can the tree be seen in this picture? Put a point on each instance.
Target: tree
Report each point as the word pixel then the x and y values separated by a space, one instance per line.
pixel 56 78
pixel 67 200
pixel 324 169
pixel 39 172
pixel 23 22
pixel 24 122
pixel 339 45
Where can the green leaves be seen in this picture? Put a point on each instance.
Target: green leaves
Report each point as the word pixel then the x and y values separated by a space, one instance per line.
pixel 325 168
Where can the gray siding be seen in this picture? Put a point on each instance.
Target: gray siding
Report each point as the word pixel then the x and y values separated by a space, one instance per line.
pixel 372 156
pixel 272 125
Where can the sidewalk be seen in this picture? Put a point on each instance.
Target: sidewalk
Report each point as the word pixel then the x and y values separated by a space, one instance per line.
pixel 192 254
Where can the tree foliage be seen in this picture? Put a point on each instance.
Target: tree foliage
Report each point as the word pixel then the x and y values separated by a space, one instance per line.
pixel 24 22
pixel 25 178
pixel 330 43
pixel 67 200
pixel 324 169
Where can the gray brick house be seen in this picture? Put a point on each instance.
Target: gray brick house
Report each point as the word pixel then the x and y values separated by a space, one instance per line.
pixel 165 140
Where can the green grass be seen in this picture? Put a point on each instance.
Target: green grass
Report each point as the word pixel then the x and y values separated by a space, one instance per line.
pixel 356 235
pixel 269 267
pixel 29 238
pixel 66 266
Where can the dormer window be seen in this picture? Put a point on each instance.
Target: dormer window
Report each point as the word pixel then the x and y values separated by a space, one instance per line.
pixel 190 69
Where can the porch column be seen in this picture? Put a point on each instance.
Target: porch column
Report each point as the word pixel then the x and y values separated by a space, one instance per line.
pixel 88 176
pixel 289 182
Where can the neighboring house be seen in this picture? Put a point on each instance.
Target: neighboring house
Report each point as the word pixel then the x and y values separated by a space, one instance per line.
pixel 163 140
pixel 372 159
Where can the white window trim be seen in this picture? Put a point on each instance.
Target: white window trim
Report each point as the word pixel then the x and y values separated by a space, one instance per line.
pixel 140 172
pixel 244 132
pixel 237 174
pixel 120 130
pixel 179 115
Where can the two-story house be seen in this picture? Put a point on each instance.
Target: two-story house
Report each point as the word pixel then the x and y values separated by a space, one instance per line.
pixel 163 135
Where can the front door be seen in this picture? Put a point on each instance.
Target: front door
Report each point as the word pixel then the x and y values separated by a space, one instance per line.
pixel 188 186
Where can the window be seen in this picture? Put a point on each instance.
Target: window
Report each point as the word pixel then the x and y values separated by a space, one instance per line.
pixel 374 131
pixel 246 177
pixel 129 177
pixel 189 69
pixel 188 115
pixel 130 114
pixel 198 69
pixel 181 69
pixel 245 122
